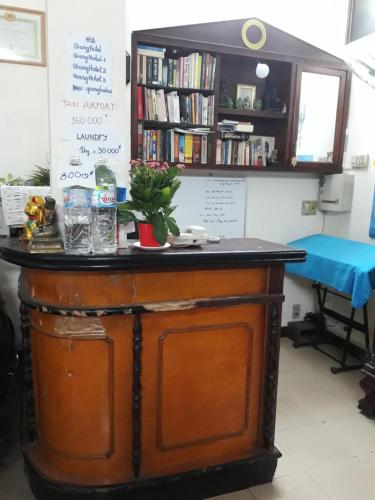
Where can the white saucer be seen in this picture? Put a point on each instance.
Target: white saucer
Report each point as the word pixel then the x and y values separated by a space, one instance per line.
pixel 151 249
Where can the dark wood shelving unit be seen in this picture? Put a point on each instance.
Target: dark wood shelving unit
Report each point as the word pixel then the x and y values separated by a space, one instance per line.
pixel 179 89
pixel 251 113
pixel 236 64
pixel 157 124
pixel 308 169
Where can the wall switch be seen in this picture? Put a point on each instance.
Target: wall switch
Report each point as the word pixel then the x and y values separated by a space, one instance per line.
pixel 309 207
pixel 360 161
pixel 296 311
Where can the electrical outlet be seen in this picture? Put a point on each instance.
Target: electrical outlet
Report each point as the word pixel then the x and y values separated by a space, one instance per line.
pixel 296 311
pixel 309 207
pixel 360 161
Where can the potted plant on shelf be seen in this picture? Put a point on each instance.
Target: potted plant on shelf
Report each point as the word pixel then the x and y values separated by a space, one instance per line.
pixel 152 187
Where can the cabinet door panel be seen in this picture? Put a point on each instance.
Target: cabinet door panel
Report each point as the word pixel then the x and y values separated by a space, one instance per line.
pixel 82 374
pixel 201 379
pixel 75 370
pixel 318 120
pixel 194 387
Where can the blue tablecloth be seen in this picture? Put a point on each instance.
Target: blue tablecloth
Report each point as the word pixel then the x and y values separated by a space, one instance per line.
pixel 346 265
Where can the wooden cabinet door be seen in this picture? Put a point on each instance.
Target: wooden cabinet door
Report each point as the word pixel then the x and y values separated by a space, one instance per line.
pixel 201 379
pixel 321 98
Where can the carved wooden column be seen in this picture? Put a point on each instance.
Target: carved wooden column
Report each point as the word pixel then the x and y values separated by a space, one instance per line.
pixel 28 425
pixel 367 404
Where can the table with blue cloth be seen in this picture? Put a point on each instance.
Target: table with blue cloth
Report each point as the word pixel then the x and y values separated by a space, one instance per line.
pixel 343 265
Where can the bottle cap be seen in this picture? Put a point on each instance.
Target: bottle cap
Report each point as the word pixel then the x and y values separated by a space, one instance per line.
pixel 121 194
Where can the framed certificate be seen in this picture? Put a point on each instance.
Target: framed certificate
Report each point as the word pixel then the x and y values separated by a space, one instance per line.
pixel 22 36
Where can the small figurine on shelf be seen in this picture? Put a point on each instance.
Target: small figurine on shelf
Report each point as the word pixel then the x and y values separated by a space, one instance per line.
pixel 247 103
pixel 258 104
pixel 271 99
pixel 40 229
pixel 239 103
pixel 224 95
pixel 230 102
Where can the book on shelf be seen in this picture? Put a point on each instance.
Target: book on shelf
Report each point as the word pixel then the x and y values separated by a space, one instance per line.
pixel 195 71
pixel 239 136
pixel 255 151
pixel 150 51
pixel 235 126
pixel 194 131
pixel 160 105
pixel 188 148
pixel 172 146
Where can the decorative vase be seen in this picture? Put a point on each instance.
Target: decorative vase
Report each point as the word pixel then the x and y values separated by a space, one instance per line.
pixel 146 235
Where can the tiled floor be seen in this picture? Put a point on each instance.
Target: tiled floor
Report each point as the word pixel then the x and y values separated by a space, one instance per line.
pixel 328 447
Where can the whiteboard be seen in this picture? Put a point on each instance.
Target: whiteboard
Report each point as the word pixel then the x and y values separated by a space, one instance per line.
pixel 216 203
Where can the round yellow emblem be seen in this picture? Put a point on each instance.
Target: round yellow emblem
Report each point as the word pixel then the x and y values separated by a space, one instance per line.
pixel 263 35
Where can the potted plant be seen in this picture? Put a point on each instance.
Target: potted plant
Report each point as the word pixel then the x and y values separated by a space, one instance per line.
pixel 152 187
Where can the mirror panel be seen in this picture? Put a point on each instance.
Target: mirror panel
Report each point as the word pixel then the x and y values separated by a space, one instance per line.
pixel 317 117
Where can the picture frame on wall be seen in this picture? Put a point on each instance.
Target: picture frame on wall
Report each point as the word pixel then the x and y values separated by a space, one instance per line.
pixel 22 36
pixel 245 96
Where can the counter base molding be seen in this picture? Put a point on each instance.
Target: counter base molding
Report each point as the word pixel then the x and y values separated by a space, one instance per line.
pixel 193 485
pixel 151 378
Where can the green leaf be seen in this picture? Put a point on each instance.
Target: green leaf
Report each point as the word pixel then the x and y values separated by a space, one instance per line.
pixel 172 172
pixel 172 226
pixel 160 228
pixel 124 217
pixel 40 176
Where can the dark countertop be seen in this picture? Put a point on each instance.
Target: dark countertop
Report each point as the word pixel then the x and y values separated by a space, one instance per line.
pixel 236 252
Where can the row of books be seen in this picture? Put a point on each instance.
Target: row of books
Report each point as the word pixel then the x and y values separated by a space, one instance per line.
pixel 170 106
pixel 173 146
pixel 235 126
pixel 256 151
pixel 195 71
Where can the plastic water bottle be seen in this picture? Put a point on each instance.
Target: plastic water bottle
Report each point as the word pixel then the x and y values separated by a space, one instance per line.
pixel 77 220
pixel 103 203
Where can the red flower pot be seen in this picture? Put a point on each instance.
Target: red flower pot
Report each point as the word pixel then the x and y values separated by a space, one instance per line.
pixel 146 235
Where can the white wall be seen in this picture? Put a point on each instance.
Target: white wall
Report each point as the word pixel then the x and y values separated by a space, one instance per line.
pixel 24 136
pixel 106 21
pixel 274 201
pixel 355 224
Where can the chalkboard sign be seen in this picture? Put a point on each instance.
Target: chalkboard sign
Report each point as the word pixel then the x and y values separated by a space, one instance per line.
pixel 216 203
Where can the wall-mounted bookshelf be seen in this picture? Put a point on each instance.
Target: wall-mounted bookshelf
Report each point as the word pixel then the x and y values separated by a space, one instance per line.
pixel 184 79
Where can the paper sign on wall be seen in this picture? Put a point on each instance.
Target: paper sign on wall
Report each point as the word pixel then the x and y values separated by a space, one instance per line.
pixel 89 111
pixel 216 203
pixel 76 175
pixel 90 71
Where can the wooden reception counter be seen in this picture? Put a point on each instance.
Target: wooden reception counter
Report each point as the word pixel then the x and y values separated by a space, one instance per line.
pixel 151 375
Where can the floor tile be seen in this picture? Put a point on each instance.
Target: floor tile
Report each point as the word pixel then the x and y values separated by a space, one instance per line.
pixel 292 487
pixel 13 483
pixel 286 465
pixel 290 415
pixel 356 432
pixel 346 480
pixel 328 447
pixel 236 495
pixel 311 446
pixel 369 459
